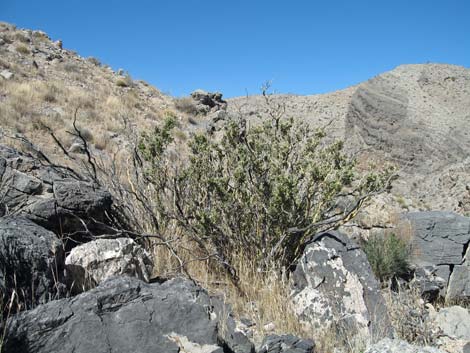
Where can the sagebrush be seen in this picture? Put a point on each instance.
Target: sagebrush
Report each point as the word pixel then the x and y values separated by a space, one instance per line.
pixel 261 191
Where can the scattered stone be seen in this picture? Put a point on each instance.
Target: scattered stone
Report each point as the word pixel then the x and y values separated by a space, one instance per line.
pixel 121 315
pixel 334 285
pixel 286 344
pixel 388 345
pixel 7 75
pixel 31 262
pixel 91 263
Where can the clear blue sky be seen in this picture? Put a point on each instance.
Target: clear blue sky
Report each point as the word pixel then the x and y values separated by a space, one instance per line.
pixel 234 46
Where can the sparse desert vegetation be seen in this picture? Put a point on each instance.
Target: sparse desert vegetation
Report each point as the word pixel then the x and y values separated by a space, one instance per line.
pixel 236 213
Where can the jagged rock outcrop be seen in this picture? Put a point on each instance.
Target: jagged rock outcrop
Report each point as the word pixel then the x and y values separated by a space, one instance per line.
pixel 334 286
pixel 123 314
pixel 207 102
pixel 286 344
pixel 91 263
pixel 388 345
pixel 440 245
pixel 31 262
pixel 52 196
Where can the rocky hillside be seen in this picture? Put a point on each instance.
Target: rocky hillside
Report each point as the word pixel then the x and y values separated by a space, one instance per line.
pixel 87 264
pixel 416 116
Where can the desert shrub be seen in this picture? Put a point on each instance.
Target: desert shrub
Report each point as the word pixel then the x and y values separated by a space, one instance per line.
pixel 260 191
pixel 186 105
pixel 71 67
pixel 51 92
pixel 388 256
pixel 94 61
pixel 22 49
pixel 125 81
pixel 21 37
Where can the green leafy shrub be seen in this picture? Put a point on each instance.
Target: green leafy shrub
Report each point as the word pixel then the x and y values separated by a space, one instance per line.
pixel 388 256
pixel 259 191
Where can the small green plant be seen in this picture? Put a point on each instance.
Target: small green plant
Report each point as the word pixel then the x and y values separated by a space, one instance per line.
pixel 388 256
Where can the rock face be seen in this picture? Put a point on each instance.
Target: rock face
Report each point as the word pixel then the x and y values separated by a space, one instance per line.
pixel 31 261
pixel 454 322
pixel 207 102
pixel 388 345
pixel 334 286
pixel 53 197
pixel 286 344
pixel 91 263
pixel 415 116
pixel 123 314
pixel 439 247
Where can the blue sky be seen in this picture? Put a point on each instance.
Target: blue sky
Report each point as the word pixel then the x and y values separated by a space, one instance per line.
pixel 304 47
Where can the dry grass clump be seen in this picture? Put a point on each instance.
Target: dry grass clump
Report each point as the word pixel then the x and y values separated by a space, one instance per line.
pixel 21 37
pixel 125 81
pixel 410 319
pixel 186 105
pixel 22 49
pixel 94 61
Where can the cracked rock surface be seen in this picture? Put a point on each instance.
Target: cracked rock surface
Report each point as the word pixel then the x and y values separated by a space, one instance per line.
pixel 31 261
pixel 286 344
pixel 123 314
pixel 440 247
pixel 334 285
pixel 54 197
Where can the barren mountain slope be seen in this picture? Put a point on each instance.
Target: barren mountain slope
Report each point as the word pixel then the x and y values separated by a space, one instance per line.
pixel 417 116
pixel 42 84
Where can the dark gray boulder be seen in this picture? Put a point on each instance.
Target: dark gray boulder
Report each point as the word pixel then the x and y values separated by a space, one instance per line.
pixel 286 344
pixel 123 314
pixel 31 262
pixel 334 287
pixel 440 241
pixel 54 197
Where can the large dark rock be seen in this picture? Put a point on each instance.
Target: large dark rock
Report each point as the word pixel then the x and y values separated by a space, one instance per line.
pixel 54 197
pixel 440 241
pixel 31 262
pixel 286 344
pixel 334 287
pixel 123 314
